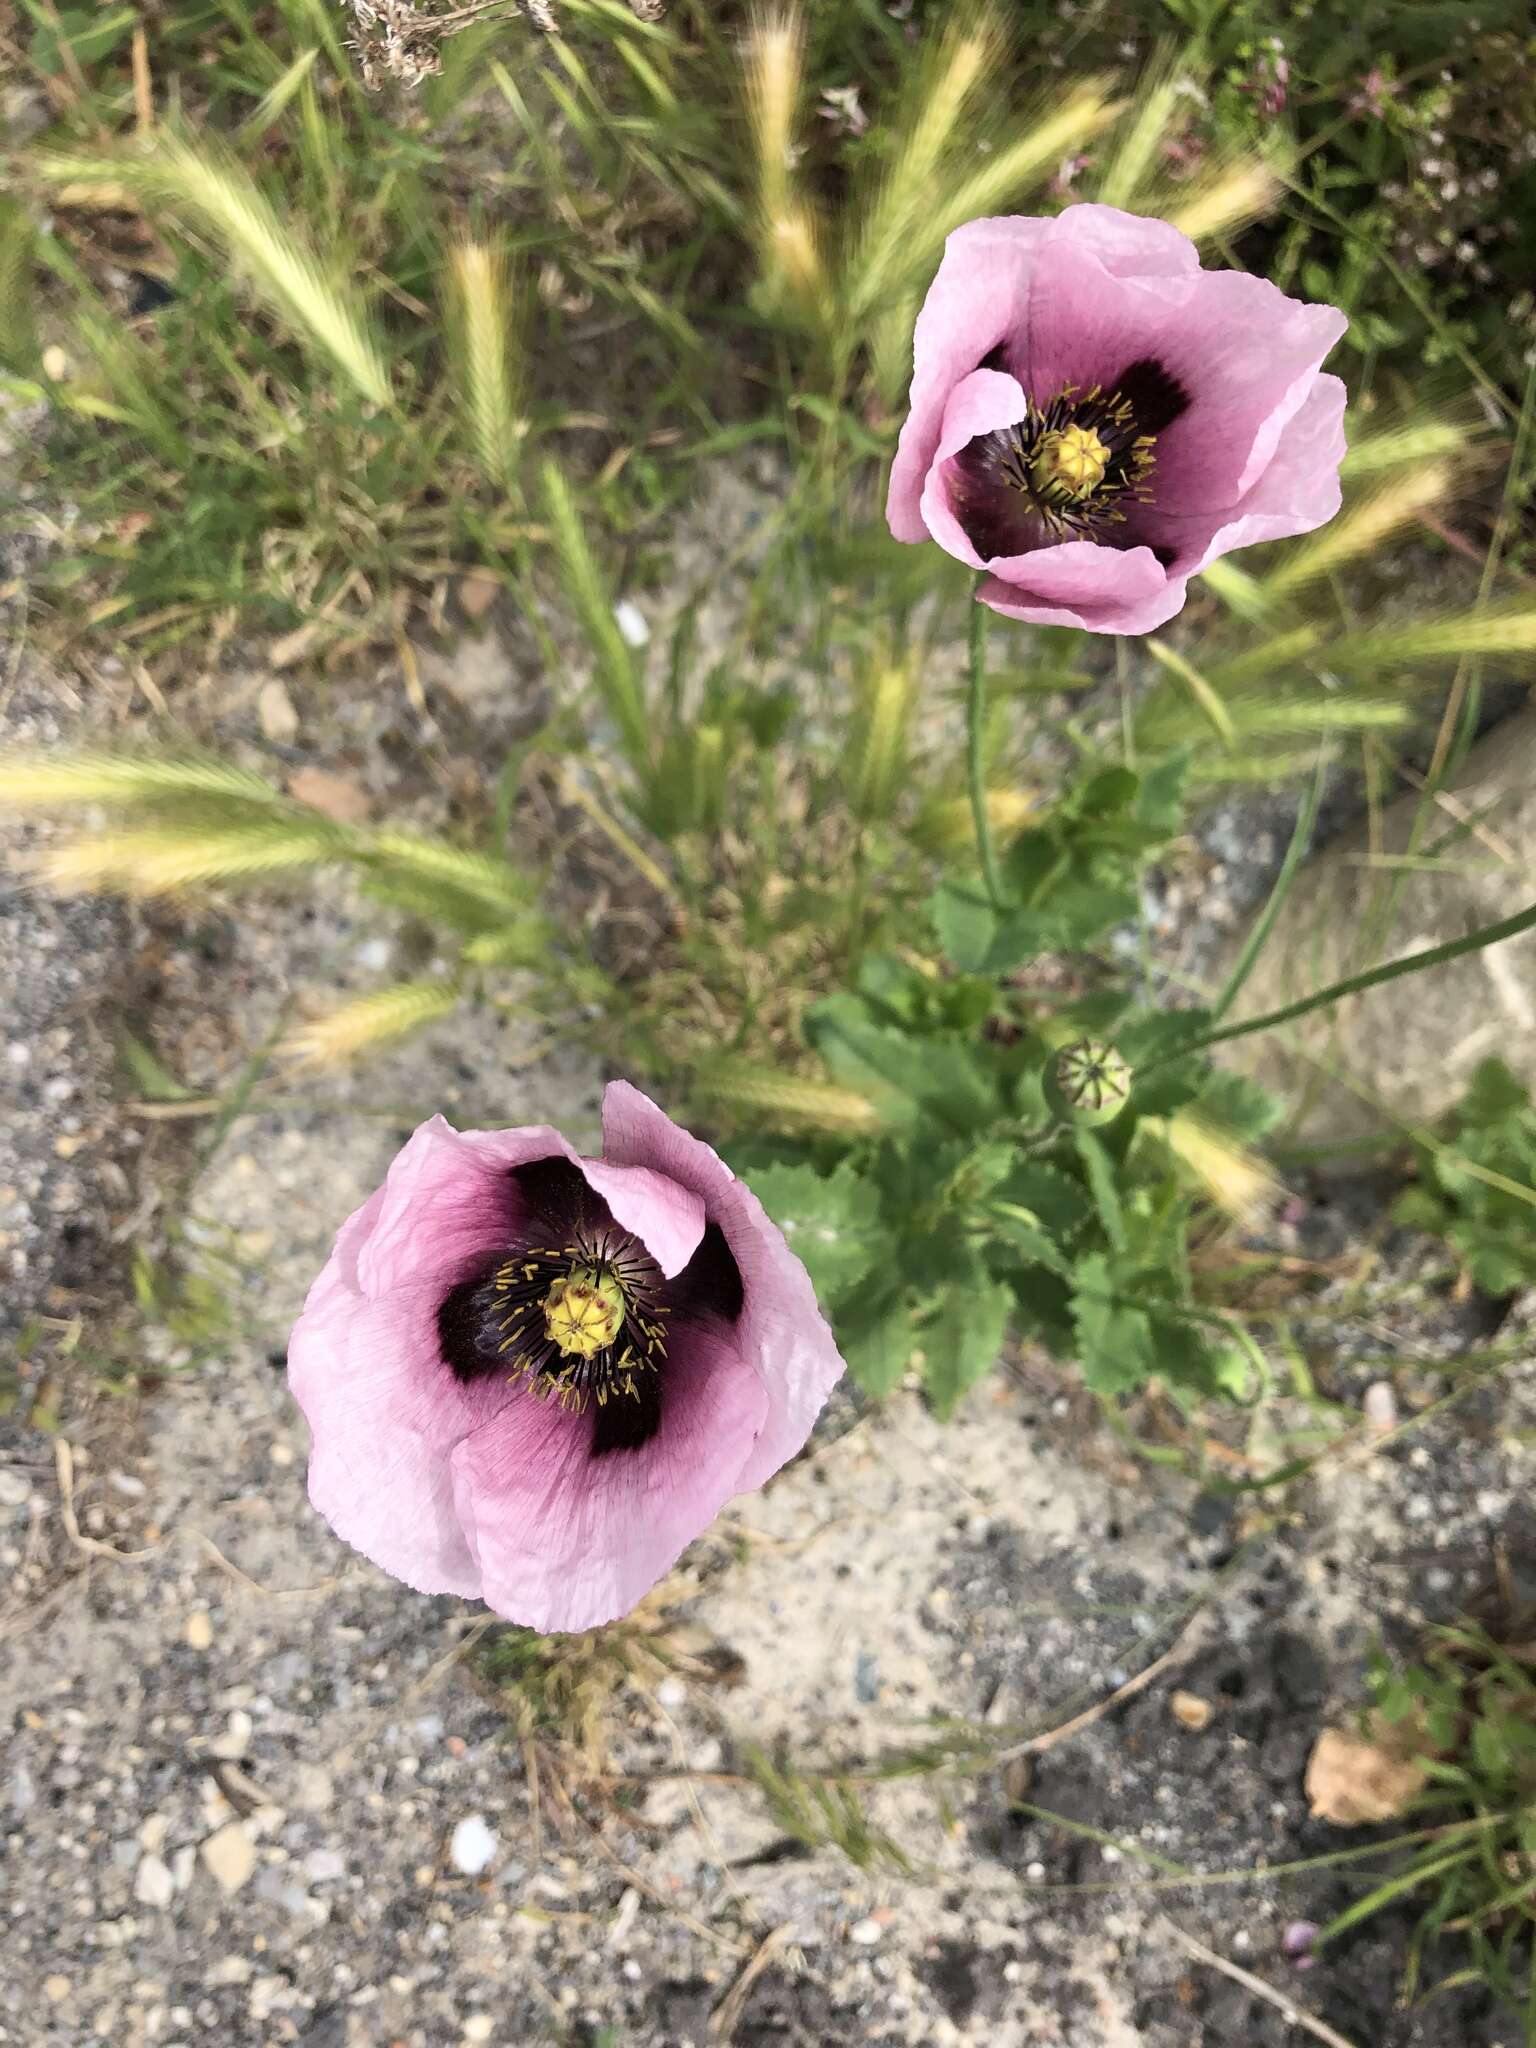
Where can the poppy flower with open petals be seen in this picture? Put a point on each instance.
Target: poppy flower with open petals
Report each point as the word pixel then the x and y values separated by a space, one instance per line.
pixel 534 1378
pixel 1094 418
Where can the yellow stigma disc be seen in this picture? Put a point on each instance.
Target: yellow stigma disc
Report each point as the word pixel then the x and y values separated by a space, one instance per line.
pixel 584 1312
pixel 1074 459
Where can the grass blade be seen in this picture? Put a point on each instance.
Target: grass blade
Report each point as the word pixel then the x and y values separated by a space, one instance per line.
pixel 487 359
pixel 615 672
pixel 220 195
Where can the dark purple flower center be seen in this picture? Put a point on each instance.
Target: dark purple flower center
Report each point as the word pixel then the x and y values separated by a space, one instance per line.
pixel 1078 467
pixel 576 1310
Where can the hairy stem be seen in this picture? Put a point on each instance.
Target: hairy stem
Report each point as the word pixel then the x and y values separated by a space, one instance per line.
pixel 975 732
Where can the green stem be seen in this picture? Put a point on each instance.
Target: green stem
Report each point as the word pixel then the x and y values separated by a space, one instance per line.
pixel 1411 963
pixel 975 733
pixel 1301 839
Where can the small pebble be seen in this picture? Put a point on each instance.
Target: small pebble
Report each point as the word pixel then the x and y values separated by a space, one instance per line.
pixel 236 1739
pixel 479 2027
pixel 1190 1711
pixel 56 1989
pixel 865 1932
pixel 631 623
pixel 672 1693
pixel 199 1630
pixel 1380 1407
pixel 473 1848
pixel 153 1884
pixel 230 1855
pixel 15 1488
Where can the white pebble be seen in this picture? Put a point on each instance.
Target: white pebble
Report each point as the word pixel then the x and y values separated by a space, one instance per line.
pixel 865 1932
pixel 672 1693
pixel 473 1847
pixel 630 620
pixel 479 2027
pixel 153 1884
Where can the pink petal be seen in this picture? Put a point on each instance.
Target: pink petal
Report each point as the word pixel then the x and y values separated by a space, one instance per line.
pixel 667 1219
pixel 979 404
pixel 782 1333
pixel 1297 493
pixel 384 1412
pixel 976 300
pixel 1127 244
pixel 447 1201
pixel 564 1540
pixel 1083 584
pixel 1245 354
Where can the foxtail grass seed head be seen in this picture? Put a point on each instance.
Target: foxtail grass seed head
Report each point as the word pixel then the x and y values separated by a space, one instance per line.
pixel 1095 419
pixel 1087 1082
pixel 532 1377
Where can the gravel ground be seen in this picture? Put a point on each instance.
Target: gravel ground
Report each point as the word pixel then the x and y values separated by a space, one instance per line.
pixel 257 1793
pixel 260 1795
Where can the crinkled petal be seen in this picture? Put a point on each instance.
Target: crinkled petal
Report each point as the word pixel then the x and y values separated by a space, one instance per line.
pixel 1244 353
pixel 384 1413
pixel 781 1332
pixel 667 1219
pixel 1079 583
pixel 979 404
pixel 448 1200
pixel 976 300
pixel 565 1540
pixel 1298 492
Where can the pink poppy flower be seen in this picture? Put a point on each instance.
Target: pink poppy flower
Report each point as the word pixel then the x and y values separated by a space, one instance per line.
pixel 533 1378
pixel 1094 418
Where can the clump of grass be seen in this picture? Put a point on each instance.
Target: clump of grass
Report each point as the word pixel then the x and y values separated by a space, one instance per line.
pixel 1470 1702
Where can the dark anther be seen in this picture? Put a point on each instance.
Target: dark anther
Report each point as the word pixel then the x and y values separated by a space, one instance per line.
pixel 625 1423
pixel 710 1283
pixel 1155 395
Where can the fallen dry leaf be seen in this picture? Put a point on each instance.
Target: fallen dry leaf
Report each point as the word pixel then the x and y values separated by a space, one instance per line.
pixel 1353 1779
pixel 336 797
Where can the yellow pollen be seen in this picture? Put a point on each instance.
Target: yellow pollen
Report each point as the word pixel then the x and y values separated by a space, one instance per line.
pixel 1074 459
pixel 584 1312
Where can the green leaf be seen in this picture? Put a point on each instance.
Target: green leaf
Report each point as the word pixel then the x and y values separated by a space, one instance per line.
pixel 832 1223
pixel 965 922
pixel 962 1342
pixel 1114 1343
pixel 1053 1198
pixel 1493 1094
pixel 873 1327
pixel 1101 1178
pixel 943 1076
pixel 1160 803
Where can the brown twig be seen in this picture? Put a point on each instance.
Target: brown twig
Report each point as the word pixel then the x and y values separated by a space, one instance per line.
pixel 1179 1651
pixel 1280 2000
pixel 64 1466
pixel 633 1876
pixel 726 2017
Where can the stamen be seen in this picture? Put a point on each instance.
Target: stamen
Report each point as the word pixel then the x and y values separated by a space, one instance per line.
pixel 578 1322
pixel 1071 469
